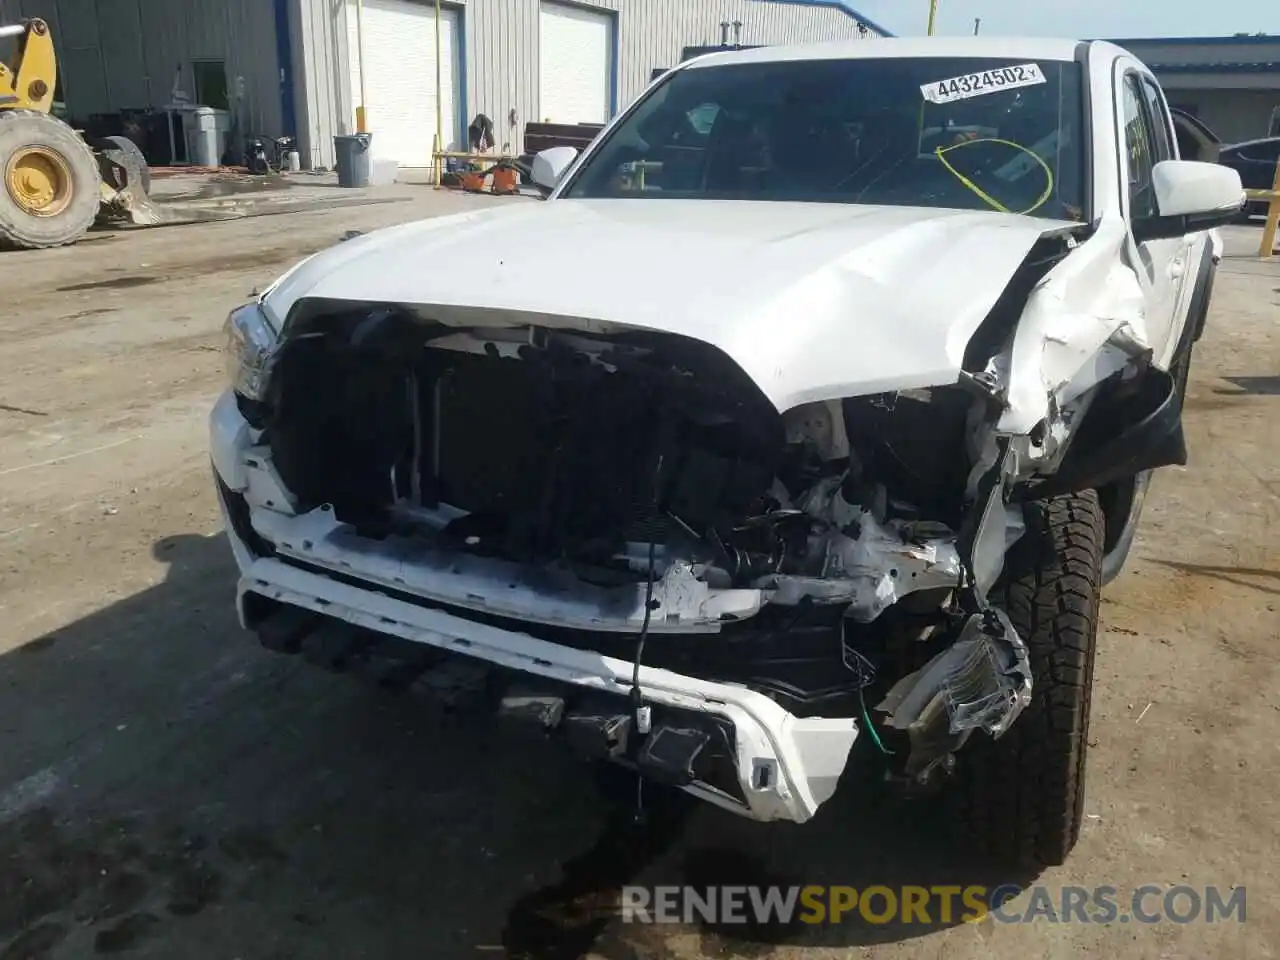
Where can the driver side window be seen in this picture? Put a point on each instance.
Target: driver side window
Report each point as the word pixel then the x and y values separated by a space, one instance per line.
pixel 1140 147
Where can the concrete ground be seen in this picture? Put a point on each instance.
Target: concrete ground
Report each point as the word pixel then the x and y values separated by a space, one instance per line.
pixel 199 197
pixel 168 789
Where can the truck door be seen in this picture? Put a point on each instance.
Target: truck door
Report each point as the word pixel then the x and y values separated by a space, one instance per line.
pixel 1162 265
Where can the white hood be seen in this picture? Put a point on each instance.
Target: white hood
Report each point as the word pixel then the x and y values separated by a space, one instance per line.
pixel 812 301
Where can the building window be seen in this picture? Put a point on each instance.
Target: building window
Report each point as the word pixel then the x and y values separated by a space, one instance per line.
pixel 211 83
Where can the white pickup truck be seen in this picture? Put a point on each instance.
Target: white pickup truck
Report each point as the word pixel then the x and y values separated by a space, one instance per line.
pixel 815 403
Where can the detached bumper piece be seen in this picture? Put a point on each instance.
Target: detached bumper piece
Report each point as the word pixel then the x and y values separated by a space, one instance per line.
pixel 672 754
pixel 981 682
pixel 683 748
pixel 537 707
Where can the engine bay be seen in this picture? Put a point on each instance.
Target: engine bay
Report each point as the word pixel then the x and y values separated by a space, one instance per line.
pixel 619 460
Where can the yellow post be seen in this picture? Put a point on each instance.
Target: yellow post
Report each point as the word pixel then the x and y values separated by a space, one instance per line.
pixel 361 119
pixel 1268 248
pixel 439 102
pixel 933 15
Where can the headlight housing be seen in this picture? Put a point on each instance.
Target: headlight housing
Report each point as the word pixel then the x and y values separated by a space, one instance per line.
pixel 251 350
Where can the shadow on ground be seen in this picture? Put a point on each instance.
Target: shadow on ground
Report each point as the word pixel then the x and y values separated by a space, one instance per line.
pixel 170 789
pixel 1262 579
pixel 1257 386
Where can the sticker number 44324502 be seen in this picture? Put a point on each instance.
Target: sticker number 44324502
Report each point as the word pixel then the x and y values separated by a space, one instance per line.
pixel 983 82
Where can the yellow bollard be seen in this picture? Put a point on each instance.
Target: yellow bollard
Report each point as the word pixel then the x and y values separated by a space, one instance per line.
pixel 1268 246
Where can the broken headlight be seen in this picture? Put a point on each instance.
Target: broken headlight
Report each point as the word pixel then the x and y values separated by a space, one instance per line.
pixel 251 347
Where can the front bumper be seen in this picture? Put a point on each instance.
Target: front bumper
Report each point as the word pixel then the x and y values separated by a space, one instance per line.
pixel 785 766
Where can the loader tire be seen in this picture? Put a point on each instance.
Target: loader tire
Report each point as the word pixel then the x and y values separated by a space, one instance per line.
pixel 1021 798
pixel 48 182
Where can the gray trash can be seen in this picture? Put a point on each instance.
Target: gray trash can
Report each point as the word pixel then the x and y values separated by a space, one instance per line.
pixel 353 159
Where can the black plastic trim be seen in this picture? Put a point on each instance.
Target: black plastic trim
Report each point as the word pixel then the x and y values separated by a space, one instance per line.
pixel 1201 297
pixel 1124 513
pixel 1155 440
pixel 238 513
pixel 1087 132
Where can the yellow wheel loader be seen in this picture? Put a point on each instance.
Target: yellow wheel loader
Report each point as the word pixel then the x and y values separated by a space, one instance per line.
pixel 54 184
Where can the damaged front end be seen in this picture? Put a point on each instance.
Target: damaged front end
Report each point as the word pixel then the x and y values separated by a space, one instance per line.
pixel 711 585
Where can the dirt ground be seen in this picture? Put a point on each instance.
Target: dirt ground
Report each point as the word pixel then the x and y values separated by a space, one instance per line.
pixel 169 790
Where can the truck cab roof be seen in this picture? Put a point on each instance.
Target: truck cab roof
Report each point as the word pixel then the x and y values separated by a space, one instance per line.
pixel 888 48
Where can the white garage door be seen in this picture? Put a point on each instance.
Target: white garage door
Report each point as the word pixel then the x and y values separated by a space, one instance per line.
pixel 575 53
pixel 400 77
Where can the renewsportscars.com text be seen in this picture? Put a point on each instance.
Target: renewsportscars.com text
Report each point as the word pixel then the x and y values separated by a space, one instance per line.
pixel 1147 904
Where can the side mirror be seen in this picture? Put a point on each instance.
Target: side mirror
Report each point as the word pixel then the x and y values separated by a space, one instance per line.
pixel 549 166
pixel 1191 196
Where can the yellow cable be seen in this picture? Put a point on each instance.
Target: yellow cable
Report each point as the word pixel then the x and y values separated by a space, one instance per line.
pixel 940 153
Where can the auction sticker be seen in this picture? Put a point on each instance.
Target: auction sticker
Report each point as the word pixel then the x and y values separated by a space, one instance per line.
pixel 983 82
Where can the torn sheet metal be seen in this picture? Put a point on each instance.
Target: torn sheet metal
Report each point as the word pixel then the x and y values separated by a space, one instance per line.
pixel 855 559
pixel 1082 324
pixel 993 525
pixel 981 682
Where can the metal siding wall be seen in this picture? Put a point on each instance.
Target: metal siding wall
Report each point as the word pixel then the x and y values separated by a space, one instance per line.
pixel 241 33
pixel 502 53
pixel 503 62
pixel 655 32
pixel 250 52
pixel 80 55
pixel 1234 115
pixel 120 54
pixel 321 77
pixel 128 82
pixel 503 49
pixel 499 35
pixel 1163 51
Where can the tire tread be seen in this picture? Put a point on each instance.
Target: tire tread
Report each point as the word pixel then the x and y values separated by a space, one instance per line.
pixel 1021 798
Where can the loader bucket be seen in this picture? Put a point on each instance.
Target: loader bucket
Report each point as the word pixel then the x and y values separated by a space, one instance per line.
pixel 130 205
pixel 124 191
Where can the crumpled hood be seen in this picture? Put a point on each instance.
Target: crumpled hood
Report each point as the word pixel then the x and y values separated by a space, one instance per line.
pixel 813 301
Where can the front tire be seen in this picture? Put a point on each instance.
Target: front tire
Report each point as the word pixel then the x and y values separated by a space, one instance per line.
pixel 48 182
pixel 1021 798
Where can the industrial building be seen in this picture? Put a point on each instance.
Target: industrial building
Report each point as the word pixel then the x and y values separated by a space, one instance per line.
pixel 294 66
pixel 1231 84
pixel 136 55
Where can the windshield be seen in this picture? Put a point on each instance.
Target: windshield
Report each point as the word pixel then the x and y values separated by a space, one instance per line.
pixel 965 133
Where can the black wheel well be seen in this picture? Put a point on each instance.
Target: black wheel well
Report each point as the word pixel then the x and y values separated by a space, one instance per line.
pixel 1116 500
